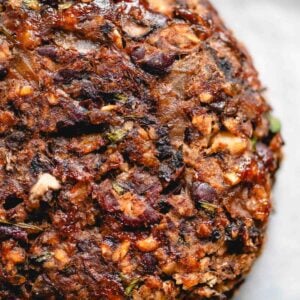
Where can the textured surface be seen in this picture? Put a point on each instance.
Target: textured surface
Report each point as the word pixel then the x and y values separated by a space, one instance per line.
pixel 261 24
pixel 137 152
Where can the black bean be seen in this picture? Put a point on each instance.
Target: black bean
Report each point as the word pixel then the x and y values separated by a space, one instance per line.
pixel 265 154
pixel 158 63
pixel 40 164
pixel 106 28
pixel 164 207
pixel 67 75
pixel 186 14
pixel 49 51
pixel 149 217
pixel 203 192
pixel 255 235
pixel 216 235
pixel 106 199
pixel 7 232
pixel 155 62
pixel 149 263
pixel 85 245
pixel 164 149
pixel 147 120
pixel 163 144
pixel 138 53
pixel 165 172
pixel 218 106
pixel 177 159
pixel 15 140
pixel 231 231
pixel 190 134
pixel 89 91
pixel 3 72
pixel 11 202
pixel 52 3
pixel 226 67
pixel 236 246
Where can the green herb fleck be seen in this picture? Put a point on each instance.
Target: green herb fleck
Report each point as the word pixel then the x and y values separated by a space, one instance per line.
pixel 65 5
pixel 32 4
pixel 274 124
pixel 132 117
pixel 8 34
pixel 254 142
pixel 117 135
pixel 123 277
pixel 121 97
pixel 117 188
pixel 182 241
pixel 208 207
pixel 30 227
pixel 5 222
pixel 132 285
pixel 43 257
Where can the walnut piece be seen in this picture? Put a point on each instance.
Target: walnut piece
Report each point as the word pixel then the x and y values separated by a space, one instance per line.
pixel 45 183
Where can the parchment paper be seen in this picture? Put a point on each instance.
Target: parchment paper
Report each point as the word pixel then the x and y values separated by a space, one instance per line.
pixel 271 31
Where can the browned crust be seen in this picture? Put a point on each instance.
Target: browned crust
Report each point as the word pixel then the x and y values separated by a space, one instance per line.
pixel 136 153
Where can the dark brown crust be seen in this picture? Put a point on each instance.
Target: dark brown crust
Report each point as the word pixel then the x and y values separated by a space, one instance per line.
pixel 136 155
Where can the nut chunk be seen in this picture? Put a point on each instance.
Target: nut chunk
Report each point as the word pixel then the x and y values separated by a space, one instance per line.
pixel 45 183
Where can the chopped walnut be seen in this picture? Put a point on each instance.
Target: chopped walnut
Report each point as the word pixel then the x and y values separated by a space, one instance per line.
pixel 26 90
pixel 62 256
pixel 179 38
pixel 147 245
pixel 206 97
pixel 204 123
pixel 182 204
pixel 7 120
pixel 228 142
pixel 117 38
pixel 135 30
pixel 45 183
pixel 232 178
pixel 121 251
pixel 162 6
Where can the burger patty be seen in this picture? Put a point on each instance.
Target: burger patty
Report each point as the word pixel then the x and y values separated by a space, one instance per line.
pixel 137 152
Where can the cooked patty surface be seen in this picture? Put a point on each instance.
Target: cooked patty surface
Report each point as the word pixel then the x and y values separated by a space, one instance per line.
pixel 137 152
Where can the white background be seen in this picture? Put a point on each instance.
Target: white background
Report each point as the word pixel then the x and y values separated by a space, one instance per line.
pixel 271 31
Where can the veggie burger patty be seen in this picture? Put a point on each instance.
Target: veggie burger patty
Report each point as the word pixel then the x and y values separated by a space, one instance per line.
pixel 137 152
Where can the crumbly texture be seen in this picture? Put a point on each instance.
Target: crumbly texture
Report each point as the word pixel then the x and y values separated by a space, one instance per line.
pixel 137 152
